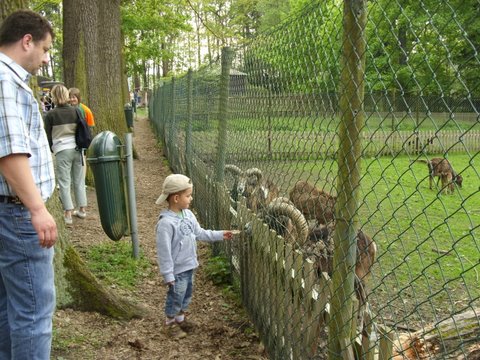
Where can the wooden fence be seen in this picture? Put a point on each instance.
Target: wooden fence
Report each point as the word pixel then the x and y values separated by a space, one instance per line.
pixel 301 146
pixel 286 298
pixel 289 302
pixel 429 142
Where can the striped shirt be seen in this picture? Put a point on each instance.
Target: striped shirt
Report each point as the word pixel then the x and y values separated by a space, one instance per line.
pixel 21 127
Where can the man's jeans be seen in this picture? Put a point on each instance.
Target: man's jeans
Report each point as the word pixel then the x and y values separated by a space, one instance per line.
pixel 27 290
pixel 180 294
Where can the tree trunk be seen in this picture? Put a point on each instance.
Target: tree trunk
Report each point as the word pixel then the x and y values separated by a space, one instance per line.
pixel 165 62
pixel 75 284
pixel 455 338
pixel 93 62
pixel 93 59
pixel 9 6
pixel 199 41
pixel 145 76
pixel 90 295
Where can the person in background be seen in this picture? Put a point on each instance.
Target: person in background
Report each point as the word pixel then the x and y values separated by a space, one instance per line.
pixel 42 104
pixel 27 180
pixel 46 99
pixel 60 125
pixel 177 232
pixel 76 100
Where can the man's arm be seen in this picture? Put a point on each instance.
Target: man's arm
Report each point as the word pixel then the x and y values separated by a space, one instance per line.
pixel 16 170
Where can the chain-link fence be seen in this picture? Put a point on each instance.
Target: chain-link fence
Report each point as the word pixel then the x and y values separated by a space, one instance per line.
pixel 353 133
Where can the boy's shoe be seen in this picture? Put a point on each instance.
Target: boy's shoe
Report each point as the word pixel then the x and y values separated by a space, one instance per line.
pixel 187 325
pixel 80 214
pixel 175 332
pixel 68 220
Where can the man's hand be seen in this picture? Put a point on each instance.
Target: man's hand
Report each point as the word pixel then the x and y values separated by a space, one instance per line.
pixel 15 169
pixel 45 226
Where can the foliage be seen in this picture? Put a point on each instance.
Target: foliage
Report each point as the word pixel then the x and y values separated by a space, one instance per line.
pixel 114 264
pixel 423 47
pixel 311 64
pixel 151 38
pixel 52 10
pixel 412 48
pixel 218 270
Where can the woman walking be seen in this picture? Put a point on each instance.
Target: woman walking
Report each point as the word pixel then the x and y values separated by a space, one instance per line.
pixel 60 125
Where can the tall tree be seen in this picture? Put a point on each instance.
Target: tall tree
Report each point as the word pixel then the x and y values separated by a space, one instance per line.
pixel 151 38
pixel 75 284
pixel 93 62
pixel 9 6
pixel 52 10
pixel 424 47
pixel 92 54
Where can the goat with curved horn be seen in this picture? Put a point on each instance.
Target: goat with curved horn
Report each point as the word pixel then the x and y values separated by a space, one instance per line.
pixel 233 169
pixel 254 172
pixel 286 219
pixel 258 192
pixel 237 186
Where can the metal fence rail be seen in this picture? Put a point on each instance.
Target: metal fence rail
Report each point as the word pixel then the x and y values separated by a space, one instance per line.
pixel 357 102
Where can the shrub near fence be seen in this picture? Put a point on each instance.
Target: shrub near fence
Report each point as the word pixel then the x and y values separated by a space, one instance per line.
pixel 423 299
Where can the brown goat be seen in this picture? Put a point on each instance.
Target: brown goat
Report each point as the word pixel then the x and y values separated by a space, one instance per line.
pixel 313 203
pixel 441 168
pixel 258 192
pixel 317 242
pixel 283 217
pixel 321 247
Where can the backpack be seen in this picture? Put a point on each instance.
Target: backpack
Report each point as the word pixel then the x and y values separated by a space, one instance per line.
pixel 83 136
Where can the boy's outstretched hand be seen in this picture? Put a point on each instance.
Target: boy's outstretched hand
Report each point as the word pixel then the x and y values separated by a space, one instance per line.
pixel 228 234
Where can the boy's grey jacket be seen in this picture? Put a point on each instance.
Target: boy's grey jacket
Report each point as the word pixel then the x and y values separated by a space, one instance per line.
pixel 177 242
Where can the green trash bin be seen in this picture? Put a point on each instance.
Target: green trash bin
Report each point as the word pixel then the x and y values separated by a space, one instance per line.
pixel 128 115
pixel 104 158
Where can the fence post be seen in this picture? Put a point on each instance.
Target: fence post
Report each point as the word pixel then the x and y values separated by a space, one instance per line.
pixel 163 113
pixel 188 135
pixel 227 57
pixel 349 156
pixel 171 128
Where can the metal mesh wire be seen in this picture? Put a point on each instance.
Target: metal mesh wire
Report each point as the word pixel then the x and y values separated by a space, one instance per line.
pixel 284 124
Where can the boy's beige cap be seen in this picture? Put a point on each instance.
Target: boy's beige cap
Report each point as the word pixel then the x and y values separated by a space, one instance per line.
pixel 173 184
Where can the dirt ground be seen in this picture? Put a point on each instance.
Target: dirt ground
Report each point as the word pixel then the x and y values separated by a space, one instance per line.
pixel 224 331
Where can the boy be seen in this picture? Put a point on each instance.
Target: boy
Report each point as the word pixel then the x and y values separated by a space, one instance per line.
pixel 177 231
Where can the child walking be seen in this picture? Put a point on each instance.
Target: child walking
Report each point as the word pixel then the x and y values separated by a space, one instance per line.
pixel 177 231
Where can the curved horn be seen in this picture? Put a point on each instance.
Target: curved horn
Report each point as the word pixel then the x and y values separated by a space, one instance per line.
pixel 233 169
pixel 254 172
pixel 280 200
pixel 280 207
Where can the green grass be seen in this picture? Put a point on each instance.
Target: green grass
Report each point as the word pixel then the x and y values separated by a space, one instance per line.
pixel 307 124
pixel 308 138
pixel 114 264
pixel 428 261
pixel 64 340
pixel 141 112
pixel 218 270
pixel 429 243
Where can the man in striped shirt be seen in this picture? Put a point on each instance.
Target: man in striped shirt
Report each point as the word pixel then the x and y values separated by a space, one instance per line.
pixel 27 230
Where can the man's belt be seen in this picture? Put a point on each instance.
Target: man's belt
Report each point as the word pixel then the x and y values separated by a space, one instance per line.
pixel 6 199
